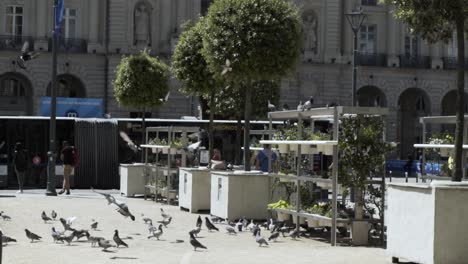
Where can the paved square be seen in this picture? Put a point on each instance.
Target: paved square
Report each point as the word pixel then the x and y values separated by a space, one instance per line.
pixel 25 211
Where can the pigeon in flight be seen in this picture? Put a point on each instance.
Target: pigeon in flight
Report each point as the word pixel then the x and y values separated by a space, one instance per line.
pixel 226 67
pixel 195 231
pixel 26 55
pixel 165 97
pixel 53 214
pixel 271 107
pixel 166 222
pixel 209 225
pixel 199 222
pixel 110 199
pixel 45 217
pixel 260 240
pixel 32 236
pixel 117 239
pixel 157 233
pixel 68 222
pixel 195 243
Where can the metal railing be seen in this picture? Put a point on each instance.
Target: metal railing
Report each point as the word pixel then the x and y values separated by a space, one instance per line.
pixel 372 59
pixel 15 42
pixel 420 62
pixel 450 63
pixel 72 45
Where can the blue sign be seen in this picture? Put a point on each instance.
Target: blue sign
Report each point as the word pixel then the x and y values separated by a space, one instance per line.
pixel 59 15
pixel 400 166
pixel 74 107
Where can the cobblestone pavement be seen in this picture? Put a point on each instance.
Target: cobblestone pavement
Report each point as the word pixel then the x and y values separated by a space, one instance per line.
pixel 25 211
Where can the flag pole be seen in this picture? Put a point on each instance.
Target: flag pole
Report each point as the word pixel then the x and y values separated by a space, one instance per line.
pixel 51 154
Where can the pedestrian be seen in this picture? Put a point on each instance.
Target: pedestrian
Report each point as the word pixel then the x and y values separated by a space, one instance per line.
pixel 67 157
pixel 20 162
pixel 262 159
pixel 409 165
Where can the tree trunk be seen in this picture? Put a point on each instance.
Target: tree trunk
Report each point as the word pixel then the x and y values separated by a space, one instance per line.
pixel 248 110
pixel 143 133
pixel 359 200
pixel 238 140
pixel 460 104
pixel 210 126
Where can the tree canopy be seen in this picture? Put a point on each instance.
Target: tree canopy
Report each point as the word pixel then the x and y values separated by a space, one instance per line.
pixel 141 81
pixel 262 39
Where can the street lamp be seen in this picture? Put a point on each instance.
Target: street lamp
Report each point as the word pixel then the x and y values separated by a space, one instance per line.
pixel 355 19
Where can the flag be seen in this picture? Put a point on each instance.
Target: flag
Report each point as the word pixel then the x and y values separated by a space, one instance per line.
pixel 59 15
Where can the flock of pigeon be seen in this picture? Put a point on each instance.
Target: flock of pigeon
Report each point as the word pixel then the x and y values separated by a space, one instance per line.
pixel 68 234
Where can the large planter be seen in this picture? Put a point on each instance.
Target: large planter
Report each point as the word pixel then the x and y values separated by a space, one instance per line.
pixel 308 149
pixel 427 223
pixel 194 189
pixel 283 216
pixel 132 179
pixel 445 152
pixel 283 148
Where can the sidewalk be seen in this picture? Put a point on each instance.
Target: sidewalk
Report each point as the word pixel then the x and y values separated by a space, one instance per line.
pixel 25 211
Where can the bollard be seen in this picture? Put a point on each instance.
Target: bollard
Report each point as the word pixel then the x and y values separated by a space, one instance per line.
pixel 1 246
pixel 390 176
pixel 406 176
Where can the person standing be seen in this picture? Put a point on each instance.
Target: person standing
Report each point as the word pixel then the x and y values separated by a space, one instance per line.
pixel 20 162
pixel 262 159
pixel 67 158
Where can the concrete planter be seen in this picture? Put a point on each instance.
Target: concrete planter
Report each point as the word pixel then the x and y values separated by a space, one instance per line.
pixel 325 149
pixel 313 222
pixel 283 149
pixel 302 220
pixel 308 149
pixel 194 189
pixel 132 180
pixel 172 151
pixel 283 216
pixel 239 194
pixel 427 223
pixel 445 152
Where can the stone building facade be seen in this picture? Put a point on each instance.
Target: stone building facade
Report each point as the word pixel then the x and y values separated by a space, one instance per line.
pixel 396 69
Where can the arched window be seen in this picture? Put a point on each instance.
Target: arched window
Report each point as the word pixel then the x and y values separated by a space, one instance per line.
pixel 11 86
pixel 15 94
pixel 68 86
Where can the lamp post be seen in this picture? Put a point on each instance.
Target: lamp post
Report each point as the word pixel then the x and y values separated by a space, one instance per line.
pixel 355 19
pixel 51 154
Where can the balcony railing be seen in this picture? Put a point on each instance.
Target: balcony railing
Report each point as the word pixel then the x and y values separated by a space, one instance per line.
pixel 14 42
pixel 419 62
pixel 450 63
pixel 72 45
pixel 372 59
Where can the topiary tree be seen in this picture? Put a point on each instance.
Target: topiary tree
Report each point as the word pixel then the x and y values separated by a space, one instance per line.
pixel 190 67
pixel 141 82
pixel 252 40
pixel 437 20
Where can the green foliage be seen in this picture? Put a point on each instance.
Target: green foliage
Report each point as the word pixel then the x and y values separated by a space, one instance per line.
pixel 281 204
pixel 189 64
pixel 261 38
pixel 230 99
pixel 362 150
pixel 141 81
pixel 434 20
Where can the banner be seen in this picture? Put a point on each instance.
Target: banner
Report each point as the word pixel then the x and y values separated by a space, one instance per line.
pixel 74 107
pixel 59 15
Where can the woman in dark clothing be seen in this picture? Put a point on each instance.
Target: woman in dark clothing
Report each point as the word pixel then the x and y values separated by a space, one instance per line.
pixel 20 162
pixel 67 158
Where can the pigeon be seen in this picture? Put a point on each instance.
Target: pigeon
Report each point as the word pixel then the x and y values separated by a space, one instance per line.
pixel 157 233
pixel 151 228
pixel 105 244
pixel 6 239
pixel 285 107
pixel 45 217
pixel 271 107
pixel 300 106
pixel 227 67
pixel 53 214
pixel 239 225
pixel 26 55
pixel 165 97
pixel 294 234
pixel 274 236
pixel 123 210
pixel 56 235
pixel 68 238
pixel 195 231
pixel 32 236
pixel 199 222
pixel 147 220
pixel 166 222
pixel 110 199
pixel 117 239
pixel 94 225
pixel 251 225
pixel 81 233
pixel 67 223
pixel 231 230
pixel 271 225
pixel 195 243
pixel 283 230
pixel 255 229
pixel 164 215
pixel 4 216
pixel 308 104
pixel 94 240
pixel 209 225
pixel 259 239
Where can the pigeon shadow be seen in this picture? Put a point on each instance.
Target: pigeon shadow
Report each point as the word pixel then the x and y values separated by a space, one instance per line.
pixel 72 245
pixel 278 241
pixel 108 251
pixel 199 237
pixel 115 257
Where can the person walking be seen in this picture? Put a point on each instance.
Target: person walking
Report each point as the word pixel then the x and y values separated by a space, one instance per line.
pixel 262 159
pixel 68 162
pixel 20 162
